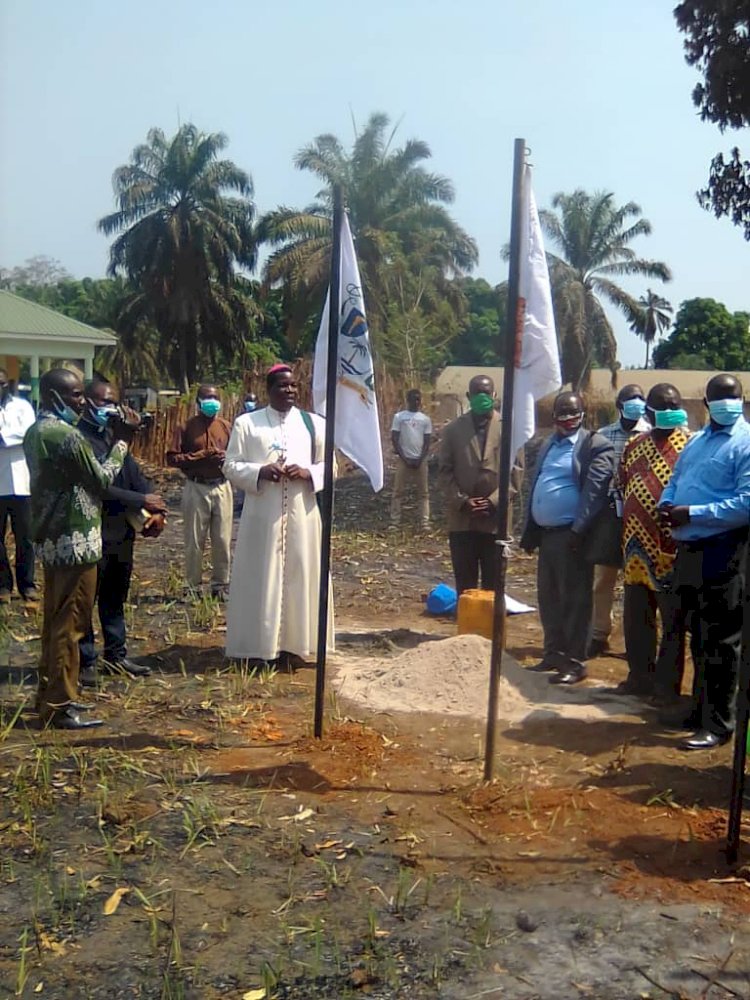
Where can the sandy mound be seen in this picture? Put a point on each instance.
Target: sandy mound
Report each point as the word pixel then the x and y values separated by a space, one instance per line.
pixel 451 677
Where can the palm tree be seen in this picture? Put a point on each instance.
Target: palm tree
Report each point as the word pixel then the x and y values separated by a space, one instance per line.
pixel 654 317
pixel 592 236
pixel 181 235
pixel 396 207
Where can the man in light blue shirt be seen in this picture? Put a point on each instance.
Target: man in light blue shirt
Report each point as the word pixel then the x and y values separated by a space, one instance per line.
pixel 569 488
pixel 707 506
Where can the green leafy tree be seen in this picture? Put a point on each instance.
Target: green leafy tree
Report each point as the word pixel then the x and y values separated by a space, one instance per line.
pixel 706 335
pixel 397 211
pixel 717 34
pixel 592 236
pixel 654 317
pixel 185 223
pixel 478 341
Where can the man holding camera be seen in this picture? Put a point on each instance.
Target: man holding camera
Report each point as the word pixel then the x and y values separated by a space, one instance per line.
pixel 68 484
pixel 128 502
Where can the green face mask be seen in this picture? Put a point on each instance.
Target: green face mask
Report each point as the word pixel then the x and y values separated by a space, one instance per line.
pixel 481 403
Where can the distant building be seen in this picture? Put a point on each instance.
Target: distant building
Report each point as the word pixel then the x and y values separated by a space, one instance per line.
pixel 46 338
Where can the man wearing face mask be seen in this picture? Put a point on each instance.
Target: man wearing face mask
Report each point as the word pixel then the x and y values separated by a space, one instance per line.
pixel 129 495
pixel 468 469
pixel 68 484
pixel 198 450
pixel 649 552
pixel 569 488
pixel 707 507
pixel 250 403
pixel 631 406
pixel 16 416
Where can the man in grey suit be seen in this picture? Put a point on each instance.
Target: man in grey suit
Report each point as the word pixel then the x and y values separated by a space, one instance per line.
pixel 569 488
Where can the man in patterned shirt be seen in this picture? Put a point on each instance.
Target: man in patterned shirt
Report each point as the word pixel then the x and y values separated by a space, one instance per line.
pixel 649 552
pixel 67 487
pixel 631 405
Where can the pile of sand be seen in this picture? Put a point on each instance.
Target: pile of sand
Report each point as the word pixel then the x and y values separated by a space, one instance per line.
pixel 451 677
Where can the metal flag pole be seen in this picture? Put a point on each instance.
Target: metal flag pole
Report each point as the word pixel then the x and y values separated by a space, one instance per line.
pixel 740 733
pixel 334 296
pixel 510 349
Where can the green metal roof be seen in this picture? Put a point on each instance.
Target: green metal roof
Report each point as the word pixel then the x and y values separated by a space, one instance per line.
pixel 21 318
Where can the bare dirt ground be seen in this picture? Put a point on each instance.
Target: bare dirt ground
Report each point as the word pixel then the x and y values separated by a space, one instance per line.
pixel 204 845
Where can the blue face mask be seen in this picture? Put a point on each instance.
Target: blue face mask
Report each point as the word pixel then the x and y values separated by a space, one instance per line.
pixel 633 409
pixel 669 419
pixel 725 411
pixel 250 406
pixel 209 407
pixel 100 414
pixel 63 411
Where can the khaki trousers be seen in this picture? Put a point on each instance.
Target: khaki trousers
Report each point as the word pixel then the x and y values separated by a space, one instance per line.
pixel 207 510
pixel 413 480
pixel 69 594
pixel 605 578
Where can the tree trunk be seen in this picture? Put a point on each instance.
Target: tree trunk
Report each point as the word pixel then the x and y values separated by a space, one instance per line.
pixel 648 351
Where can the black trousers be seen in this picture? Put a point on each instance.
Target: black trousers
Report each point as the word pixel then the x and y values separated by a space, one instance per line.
pixel 18 509
pixel 710 580
pixel 654 669
pixel 113 583
pixel 470 552
pixel 565 591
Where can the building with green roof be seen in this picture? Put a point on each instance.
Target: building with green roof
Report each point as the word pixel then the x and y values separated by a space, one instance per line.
pixel 45 337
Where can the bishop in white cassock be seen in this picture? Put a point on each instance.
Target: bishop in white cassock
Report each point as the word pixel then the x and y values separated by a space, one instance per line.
pixel 275 455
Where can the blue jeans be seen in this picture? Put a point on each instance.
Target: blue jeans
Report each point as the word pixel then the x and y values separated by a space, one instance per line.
pixel 113 583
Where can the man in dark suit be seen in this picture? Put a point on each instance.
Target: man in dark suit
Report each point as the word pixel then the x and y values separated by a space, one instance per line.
pixel 469 465
pixel 569 488
pixel 124 504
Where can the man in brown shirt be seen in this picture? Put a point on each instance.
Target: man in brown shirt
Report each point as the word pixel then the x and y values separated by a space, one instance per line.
pixel 198 451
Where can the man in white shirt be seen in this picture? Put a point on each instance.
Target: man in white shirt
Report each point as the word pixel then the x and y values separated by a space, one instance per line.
pixel 411 434
pixel 16 416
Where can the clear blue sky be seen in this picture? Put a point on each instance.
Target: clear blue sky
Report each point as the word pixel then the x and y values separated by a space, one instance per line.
pixel 599 90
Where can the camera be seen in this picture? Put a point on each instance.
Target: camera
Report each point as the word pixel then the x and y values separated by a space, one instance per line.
pixel 118 414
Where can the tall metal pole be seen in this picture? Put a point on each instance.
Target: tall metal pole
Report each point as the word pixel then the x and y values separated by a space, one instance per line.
pixel 510 351
pixel 740 733
pixel 334 297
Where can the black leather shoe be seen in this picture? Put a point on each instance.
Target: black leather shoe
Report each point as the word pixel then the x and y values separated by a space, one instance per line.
pixel 598 647
pixel 629 688
pixel 570 675
pixel 545 666
pixel 704 739
pixel 680 721
pixel 87 677
pixel 129 667
pixel 80 706
pixel 68 718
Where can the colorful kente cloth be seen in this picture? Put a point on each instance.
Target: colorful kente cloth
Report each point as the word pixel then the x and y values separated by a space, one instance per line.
pixel 646 468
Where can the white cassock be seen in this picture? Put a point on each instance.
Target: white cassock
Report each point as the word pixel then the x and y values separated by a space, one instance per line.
pixel 274 589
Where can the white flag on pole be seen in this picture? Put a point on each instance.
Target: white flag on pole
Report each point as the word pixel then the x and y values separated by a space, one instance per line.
pixel 357 431
pixel 538 367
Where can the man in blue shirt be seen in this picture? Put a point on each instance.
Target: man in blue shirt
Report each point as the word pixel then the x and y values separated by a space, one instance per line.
pixel 707 506
pixel 569 488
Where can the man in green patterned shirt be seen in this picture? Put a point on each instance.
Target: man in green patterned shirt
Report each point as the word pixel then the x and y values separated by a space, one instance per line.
pixel 67 486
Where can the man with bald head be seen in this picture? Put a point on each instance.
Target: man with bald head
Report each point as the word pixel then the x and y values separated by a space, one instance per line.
pixel 631 406
pixel 68 484
pixel 468 470
pixel 707 507
pixel 198 451
pixel 569 488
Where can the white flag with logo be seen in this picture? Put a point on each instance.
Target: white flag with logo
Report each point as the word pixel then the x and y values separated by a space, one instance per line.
pixel 357 431
pixel 538 365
